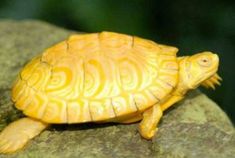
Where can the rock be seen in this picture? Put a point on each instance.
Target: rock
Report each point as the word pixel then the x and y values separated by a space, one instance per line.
pixel 195 127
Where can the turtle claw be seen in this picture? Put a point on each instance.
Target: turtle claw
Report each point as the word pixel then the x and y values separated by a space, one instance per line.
pixel 212 81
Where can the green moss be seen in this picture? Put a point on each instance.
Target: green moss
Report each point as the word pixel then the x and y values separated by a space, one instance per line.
pixel 195 127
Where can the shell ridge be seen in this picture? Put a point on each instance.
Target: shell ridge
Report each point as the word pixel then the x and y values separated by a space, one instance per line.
pixel 31 87
pixel 168 84
pixel 84 75
pixel 67 45
pixel 137 108
pixel 89 109
pixel 153 95
pixel 22 95
pixel 115 114
pixel 67 112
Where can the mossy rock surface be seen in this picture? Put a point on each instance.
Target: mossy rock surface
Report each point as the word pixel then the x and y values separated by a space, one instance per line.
pixel 195 127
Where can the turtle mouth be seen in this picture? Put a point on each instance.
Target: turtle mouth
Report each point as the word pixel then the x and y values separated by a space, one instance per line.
pixel 212 81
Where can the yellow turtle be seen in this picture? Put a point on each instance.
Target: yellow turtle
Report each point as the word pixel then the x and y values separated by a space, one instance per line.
pixel 103 77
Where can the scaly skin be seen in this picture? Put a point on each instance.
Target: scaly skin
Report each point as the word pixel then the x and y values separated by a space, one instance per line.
pixel 103 77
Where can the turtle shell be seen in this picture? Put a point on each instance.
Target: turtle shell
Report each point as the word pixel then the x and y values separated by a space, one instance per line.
pixel 95 77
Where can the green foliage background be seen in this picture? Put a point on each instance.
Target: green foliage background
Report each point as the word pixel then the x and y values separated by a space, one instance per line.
pixel 192 26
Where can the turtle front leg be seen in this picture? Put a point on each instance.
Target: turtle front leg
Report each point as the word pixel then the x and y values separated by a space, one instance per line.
pixel 148 125
pixel 151 117
pixel 18 133
pixel 174 99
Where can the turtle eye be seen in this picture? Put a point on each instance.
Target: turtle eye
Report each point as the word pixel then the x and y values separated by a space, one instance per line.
pixel 204 61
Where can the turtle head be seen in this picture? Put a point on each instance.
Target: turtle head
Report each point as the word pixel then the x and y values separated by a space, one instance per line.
pixel 199 69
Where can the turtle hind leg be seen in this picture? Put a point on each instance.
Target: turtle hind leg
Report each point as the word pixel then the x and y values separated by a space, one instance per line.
pixel 18 133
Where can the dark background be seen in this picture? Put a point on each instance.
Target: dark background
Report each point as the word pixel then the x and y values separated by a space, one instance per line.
pixel 191 25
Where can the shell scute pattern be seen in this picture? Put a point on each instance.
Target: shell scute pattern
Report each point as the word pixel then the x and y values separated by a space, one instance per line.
pixel 99 79
pixel 114 45
pixel 55 53
pixel 123 104
pixel 78 111
pixel 145 99
pixel 168 50
pixel 95 77
pixel 23 95
pixel 84 46
pixel 55 111
pixel 129 65
pixel 65 77
pixel 25 74
pixel 37 105
pixel 17 88
pixel 101 109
